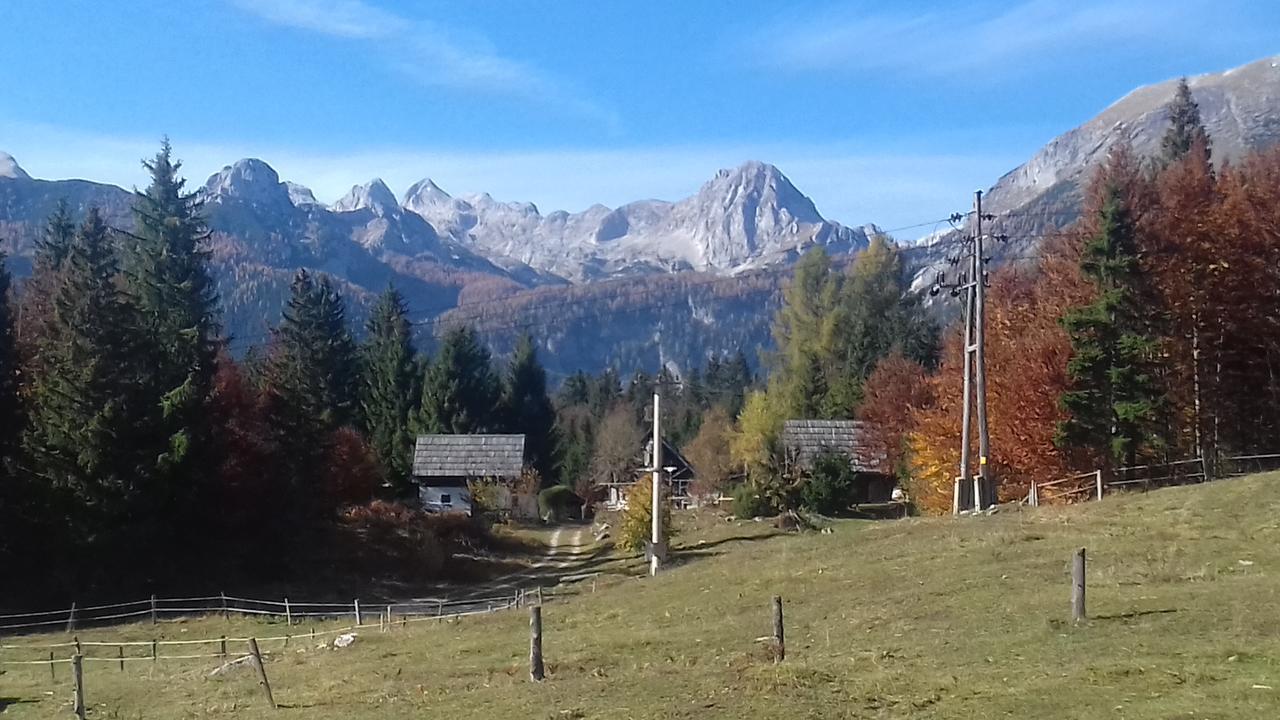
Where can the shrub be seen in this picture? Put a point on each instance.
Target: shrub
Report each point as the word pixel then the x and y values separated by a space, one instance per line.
pixel 829 487
pixel 749 502
pixel 636 525
pixel 558 502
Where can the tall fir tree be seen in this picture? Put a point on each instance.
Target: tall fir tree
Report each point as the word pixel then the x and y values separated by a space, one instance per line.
pixel 37 293
pixel 1112 400
pixel 166 266
pixel 389 388
pixel 88 413
pixel 527 408
pixel 461 392
pixel 1186 128
pixel 310 378
pixel 10 373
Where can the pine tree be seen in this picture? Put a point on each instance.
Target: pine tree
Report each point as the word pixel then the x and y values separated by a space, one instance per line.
pixel 88 416
pixel 1112 399
pixel 166 265
pixel 389 388
pixel 460 393
pixel 527 408
pixel 37 296
pixel 1186 128
pixel 10 408
pixel 311 378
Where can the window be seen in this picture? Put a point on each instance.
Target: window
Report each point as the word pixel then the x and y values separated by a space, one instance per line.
pixel 446 499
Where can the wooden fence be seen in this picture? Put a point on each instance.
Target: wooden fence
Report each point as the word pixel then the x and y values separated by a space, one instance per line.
pixel 1093 485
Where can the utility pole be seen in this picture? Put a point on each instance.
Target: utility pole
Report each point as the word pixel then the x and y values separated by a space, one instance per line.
pixel 657 485
pixel 977 490
pixel 983 488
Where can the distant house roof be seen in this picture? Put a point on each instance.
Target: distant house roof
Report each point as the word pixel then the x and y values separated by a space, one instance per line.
pixel 468 456
pixel 805 440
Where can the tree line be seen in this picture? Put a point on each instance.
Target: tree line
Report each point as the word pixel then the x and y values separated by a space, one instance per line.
pixel 133 447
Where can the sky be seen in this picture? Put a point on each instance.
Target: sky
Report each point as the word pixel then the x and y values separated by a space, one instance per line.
pixel 884 112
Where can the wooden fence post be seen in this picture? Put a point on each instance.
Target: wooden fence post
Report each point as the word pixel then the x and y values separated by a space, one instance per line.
pixel 539 594
pixel 71 619
pixel 356 602
pixel 1077 586
pixel 53 674
pixel 222 647
pixel 388 618
pixel 1035 494
pixel 779 639
pixel 77 679
pixel 76 640
pixel 1099 482
pixel 153 609
pixel 288 613
pixel 262 671
pixel 120 652
pixel 536 671
pixel 225 614
pixel 155 651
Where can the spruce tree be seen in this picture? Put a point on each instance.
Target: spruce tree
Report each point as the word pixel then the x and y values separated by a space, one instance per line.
pixel 88 416
pixel 166 266
pixel 10 408
pixel 389 388
pixel 460 393
pixel 1112 399
pixel 1185 126
pixel 37 296
pixel 527 408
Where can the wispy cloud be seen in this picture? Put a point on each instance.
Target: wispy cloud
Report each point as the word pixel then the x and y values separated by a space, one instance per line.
pixel 430 53
pixel 961 40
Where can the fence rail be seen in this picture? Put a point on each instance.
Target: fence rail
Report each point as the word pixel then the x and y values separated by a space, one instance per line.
pixel 1177 472
pixel 157 609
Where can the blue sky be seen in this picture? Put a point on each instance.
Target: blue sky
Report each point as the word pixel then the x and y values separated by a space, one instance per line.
pixel 886 112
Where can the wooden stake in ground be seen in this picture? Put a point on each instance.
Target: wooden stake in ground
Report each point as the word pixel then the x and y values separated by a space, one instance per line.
pixel 262 671
pixel 71 619
pixel 288 613
pixel 536 671
pixel 53 674
pixel 356 603
pixel 77 678
pixel 153 609
pixel 1077 586
pixel 779 639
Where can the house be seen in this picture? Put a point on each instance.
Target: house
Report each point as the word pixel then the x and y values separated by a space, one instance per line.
pixel 443 465
pixel 805 440
pixel 679 479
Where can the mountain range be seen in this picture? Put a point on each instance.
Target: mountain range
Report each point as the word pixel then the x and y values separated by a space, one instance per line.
pixel 651 283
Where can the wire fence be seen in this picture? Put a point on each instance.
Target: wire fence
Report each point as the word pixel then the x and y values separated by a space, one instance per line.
pixel 1095 484
pixel 157 609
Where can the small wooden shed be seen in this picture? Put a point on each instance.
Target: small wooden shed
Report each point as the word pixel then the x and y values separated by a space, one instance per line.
pixel 443 465
pixel 805 440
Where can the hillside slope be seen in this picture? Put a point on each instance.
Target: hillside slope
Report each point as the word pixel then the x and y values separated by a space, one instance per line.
pixel 926 618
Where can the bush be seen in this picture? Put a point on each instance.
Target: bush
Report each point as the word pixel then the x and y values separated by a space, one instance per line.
pixel 829 488
pixel 749 502
pixel 558 502
pixel 636 526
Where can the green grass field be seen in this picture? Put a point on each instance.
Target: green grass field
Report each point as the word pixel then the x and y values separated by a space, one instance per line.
pixel 921 618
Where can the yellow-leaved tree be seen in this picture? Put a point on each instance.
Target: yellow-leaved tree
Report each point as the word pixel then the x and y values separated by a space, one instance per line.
pixel 636 526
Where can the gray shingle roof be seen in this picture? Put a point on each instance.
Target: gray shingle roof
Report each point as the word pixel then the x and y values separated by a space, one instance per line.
pixel 468 456
pixel 807 439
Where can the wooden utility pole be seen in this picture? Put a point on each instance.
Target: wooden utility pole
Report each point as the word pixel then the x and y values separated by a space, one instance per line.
pixel 654 561
pixel 983 487
pixel 77 677
pixel 976 490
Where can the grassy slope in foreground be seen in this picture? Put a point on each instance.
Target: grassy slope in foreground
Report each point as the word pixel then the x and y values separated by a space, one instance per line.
pixel 932 618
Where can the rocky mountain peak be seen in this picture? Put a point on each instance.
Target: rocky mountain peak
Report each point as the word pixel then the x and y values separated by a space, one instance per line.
pixel 9 168
pixel 249 179
pixel 301 195
pixel 373 195
pixel 758 186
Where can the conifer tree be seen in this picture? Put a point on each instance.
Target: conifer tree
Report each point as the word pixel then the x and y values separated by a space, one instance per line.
pixel 1112 399
pixel 389 389
pixel 87 412
pixel 1185 125
pixel 460 393
pixel 10 408
pixel 310 376
pixel 527 408
pixel 166 265
pixel 37 296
